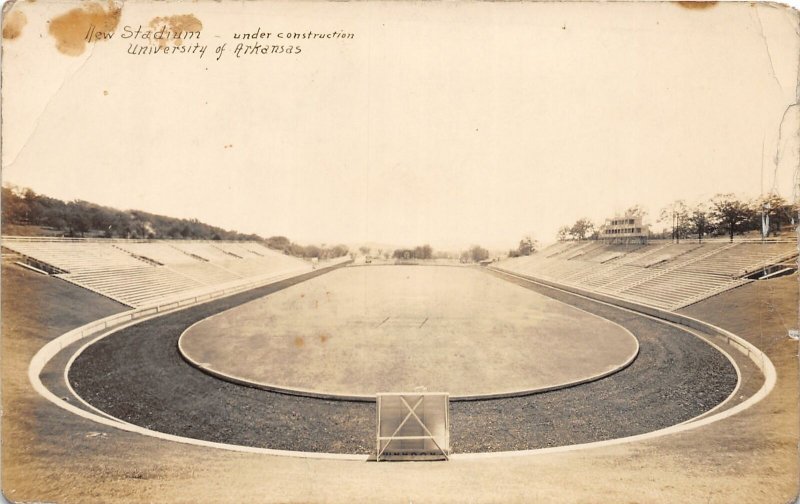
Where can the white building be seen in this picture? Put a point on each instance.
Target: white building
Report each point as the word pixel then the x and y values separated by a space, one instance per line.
pixel 627 228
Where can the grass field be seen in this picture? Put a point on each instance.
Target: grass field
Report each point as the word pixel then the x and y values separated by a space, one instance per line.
pixel 388 328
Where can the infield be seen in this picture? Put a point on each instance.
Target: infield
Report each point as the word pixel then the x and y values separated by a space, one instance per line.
pixel 358 331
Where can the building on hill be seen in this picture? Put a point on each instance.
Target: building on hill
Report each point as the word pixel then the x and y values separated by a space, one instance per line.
pixel 624 229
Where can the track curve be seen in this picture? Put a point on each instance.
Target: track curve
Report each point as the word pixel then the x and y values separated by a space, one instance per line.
pixel 138 376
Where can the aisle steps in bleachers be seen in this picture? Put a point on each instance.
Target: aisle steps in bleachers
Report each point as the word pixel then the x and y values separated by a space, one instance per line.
pixel 144 272
pixel 665 275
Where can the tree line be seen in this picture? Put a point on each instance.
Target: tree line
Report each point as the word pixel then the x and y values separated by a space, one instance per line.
pixel 419 252
pixel 24 207
pixel 722 215
pixel 288 247
pixel 475 253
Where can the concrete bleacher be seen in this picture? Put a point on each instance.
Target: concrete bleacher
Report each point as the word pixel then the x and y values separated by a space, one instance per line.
pixel 146 272
pixel 61 254
pixel 662 274
pixel 202 251
pixel 162 253
pixel 134 286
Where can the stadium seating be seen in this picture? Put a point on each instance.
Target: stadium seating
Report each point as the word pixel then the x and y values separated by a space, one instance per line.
pixel 662 274
pixel 134 286
pixel 61 254
pixel 142 273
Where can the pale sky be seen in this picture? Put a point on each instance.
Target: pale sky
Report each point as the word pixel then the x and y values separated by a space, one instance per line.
pixel 444 123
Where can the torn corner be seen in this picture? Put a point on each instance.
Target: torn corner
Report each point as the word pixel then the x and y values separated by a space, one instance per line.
pixel 7 6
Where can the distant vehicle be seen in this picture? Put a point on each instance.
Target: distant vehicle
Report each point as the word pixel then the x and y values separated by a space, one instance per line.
pixel 368 260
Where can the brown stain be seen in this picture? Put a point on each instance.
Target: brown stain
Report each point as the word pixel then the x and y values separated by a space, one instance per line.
pixel 323 338
pixel 697 5
pixel 299 342
pixel 13 23
pixel 70 29
pixel 105 93
pixel 177 24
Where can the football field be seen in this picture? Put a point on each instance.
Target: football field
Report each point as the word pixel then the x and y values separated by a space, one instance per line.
pixel 358 331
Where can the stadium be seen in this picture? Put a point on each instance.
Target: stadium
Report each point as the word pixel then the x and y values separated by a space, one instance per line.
pixel 230 346
pixel 556 259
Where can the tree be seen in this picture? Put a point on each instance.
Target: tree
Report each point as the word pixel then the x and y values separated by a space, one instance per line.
pixel 563 233
pixel 677 215
pixel 403 254
pixel 295 250
pixel 698 221
pixel 527 246
pixel 278 243
pixel 423 252
pixel 364 250
pixel 776 208
pixel 730 213
pixel 34 206
pixel 478 253
pixel 582 229
pixel 78 223
pixel 311 251
pixel 14 208
pixel 174 231
pixel 339 250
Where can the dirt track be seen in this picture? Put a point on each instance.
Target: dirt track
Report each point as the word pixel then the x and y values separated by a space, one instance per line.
pixel 137 375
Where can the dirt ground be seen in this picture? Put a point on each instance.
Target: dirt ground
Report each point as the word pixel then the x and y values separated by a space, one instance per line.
pixel 52 456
